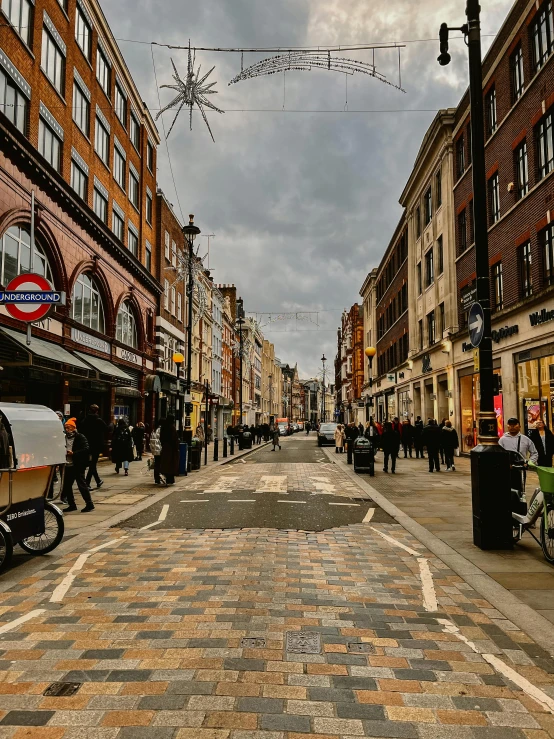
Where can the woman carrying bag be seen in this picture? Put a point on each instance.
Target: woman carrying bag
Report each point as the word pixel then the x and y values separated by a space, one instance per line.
pixel 122 447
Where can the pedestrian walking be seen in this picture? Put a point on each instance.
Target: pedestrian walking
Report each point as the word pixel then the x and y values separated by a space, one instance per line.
pixel 418 441
pixel 95 430
pixel 122 446
pixel 431 439
pixel 169 458
pixel 514 441
pixel 441 450
pixel 276 437
pixel 77 453
pixel 156 450
pixel 543 439
pixel 339 439
pixel 390 443
pixel 266 431
pixel 308 428
pixel 138 439
pixel 361 429
pixel 199 432
pixel 259 433
pixel 449 444
pixel 407 437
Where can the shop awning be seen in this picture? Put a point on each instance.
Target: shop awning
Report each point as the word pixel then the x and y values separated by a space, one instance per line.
pixel 153 384
pixel 45 354
pixel 105 367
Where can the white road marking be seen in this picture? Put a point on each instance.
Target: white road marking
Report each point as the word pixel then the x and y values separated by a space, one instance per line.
pixel 397 543
pixel 369 515
pixel 536 693
pixel 223 484
pixel 428 586
pixel 291 501
pixel 237 500
pixel 21 620
pixel 242 460
pixel 195 501
pixel 273 484
pixel 350 505
pixel 161 517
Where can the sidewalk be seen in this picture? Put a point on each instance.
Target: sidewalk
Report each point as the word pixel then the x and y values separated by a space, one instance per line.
pixel 442 504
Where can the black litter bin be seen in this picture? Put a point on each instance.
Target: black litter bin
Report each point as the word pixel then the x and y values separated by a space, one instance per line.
pixel 247 440
pixel 364 456
pixel 195 453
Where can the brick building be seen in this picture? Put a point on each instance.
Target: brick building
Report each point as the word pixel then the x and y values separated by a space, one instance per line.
pixel 75 133
pixel 518 90
pixel 350 356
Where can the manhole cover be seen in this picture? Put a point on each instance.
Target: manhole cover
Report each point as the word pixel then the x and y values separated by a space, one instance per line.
pixel 252 643
pixel 62 689
pixel 364 647
pixel 303 642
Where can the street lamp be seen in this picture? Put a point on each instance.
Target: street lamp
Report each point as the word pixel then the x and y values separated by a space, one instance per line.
pixel 190 232
pixel 178 358
pixel 240 321
pixel 370 352
pixel 323 360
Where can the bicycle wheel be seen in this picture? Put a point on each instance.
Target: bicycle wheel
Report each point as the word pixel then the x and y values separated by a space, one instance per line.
pixel 53 533
pixel 547 533
pixel 6 548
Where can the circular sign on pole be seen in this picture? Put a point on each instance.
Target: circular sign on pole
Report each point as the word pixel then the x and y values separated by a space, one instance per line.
pixel 29 284
pixel 476 324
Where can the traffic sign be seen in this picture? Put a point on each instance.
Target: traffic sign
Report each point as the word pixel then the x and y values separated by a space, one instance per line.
pixel 29 297
pixel 476 324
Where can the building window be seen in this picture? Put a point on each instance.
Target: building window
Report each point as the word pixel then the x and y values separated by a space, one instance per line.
pixel 494 198
pixel 428 206
pixel 49 145
pixel 166 250
pixel 102 142
pixel 419 279
pixel 134 132
pixel 132 241
pixel 15 255
pixel 542 35
pixel 548 242
pixel 460 156
pixel 100 205
pixel 545 146
pixel 86 304
pixel 133 188
pixel 81 109
pixel 119 168
pixel 20 14
pixel 166 294
pixel 173 254
pixel 148 256
pixel 440 256
pixel 429 268
pixel 173 294
pixel 525 265
pixel 126 328
pixel 83 33
pixel 498 287
pixel 103 71
pixel 150 156
pixel 462 232
pixel 52 61
pixel 13 104
pixel 118 225
pixel 180 307
pixel 442 321
pixel 431 328
pixel 518 75
pixel 79 180
pixel 438 188
pixel 490 111
pixel 121 105
pixel 418 222
pixel 149 208
pixel 420 334
pixel 522 170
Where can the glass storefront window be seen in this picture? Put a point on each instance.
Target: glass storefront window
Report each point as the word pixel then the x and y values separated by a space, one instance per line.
pixel 391 406
pixel 470 395
pixel 404 404
pixel 535 389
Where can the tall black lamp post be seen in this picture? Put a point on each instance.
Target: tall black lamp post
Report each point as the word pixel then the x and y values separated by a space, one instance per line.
pixel 240 322
pixel 190 232
pixel 490 473
pixel 370 352
pixel 323 419
pixel 179 358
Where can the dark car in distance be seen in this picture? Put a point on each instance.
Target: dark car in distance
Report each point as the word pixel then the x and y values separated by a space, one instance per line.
pixel 326 434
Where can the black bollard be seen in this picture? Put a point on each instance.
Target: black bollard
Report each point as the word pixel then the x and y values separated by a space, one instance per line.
pixel 349 446
pixel 216 450
pixel 224 447
pixel 232 451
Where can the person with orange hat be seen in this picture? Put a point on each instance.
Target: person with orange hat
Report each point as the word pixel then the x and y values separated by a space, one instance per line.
pixel 77 458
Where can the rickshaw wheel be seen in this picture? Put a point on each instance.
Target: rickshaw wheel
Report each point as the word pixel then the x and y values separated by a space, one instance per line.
pixel 53 533
pixel 6 548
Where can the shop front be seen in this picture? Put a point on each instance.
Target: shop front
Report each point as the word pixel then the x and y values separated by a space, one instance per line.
pixel 470 405
pixel 535 386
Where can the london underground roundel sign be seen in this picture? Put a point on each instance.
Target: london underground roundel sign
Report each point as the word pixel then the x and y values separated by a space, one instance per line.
pixel 29 297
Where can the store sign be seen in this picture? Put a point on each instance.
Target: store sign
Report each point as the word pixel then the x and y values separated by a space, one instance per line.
pixel 542 316
pixel 92 342
pixel 468 297
pixel 128 356
pixel 504 333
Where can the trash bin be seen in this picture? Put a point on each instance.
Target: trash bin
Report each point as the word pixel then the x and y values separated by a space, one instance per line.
pixel 247 440
pixel 195 453
pixel 364 456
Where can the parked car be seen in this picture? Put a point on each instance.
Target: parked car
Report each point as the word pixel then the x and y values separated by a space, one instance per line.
pixel 326 434
pixel 295 428
pixel 283 429
pixel 301 425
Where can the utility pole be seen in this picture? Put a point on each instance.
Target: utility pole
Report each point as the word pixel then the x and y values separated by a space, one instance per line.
pixel 190 232
pixel 490 470
pixel 240 321
pixel 323 360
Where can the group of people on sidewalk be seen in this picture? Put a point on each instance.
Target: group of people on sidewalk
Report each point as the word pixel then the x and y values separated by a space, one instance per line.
pixel 258 433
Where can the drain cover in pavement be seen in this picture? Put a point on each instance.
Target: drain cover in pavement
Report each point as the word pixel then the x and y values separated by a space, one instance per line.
pixel 363 647
pixel 252 642
pixel 303 642
pixel 62 689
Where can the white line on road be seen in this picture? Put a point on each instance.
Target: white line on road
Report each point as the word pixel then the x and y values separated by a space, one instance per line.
pixel 428 587
pixel 21 620
pixel 350 505
pixel 369 515
pixel 161 517
pixel 204 500
pixel 397 543
pixel 291 501
pixel 237 500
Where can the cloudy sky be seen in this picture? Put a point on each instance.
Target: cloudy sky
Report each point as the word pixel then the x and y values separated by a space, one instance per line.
pixel 302 205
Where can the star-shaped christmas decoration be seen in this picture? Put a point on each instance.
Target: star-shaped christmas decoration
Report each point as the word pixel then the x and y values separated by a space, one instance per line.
pixel 191 92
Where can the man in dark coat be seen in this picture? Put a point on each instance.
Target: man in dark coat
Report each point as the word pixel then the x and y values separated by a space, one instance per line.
pixel 265 429
pixel 407 437
pixel 390 444
pixel 431 438
pixel 95 429
pixel 77 453
pixel 418 443
pixel 449 444
pixel 351 433
pixel 169 458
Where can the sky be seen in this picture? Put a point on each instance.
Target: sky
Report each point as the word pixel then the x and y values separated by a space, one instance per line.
pixel 302 204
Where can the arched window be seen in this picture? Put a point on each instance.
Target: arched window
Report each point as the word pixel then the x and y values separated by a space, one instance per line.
pixel 87 305
pixel 15 255
pixel 126 330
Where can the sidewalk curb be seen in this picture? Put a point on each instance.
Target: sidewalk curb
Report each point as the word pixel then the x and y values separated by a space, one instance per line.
pixel 526 618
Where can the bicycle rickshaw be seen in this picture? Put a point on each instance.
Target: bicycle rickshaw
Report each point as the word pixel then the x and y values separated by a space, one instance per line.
pixel 32 446
pixel 541 504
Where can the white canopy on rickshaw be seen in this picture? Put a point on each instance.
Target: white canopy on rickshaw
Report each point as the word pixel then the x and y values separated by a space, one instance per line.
pixel 37 434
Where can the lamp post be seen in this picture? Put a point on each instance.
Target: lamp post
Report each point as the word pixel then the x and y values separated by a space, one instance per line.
pixel 240 322
pixel 190 232
pixel 178 358
pixel 490 473
pixel 323 360
pixel 370 352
